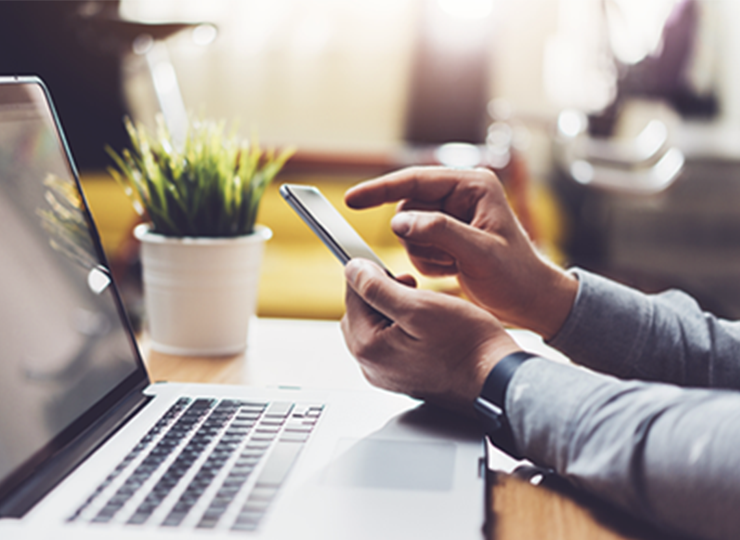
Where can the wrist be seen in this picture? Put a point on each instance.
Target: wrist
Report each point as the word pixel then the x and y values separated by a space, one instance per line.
pixel 490 359
pixel 554 302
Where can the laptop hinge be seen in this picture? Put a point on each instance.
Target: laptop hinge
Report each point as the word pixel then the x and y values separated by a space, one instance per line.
pixel 44 479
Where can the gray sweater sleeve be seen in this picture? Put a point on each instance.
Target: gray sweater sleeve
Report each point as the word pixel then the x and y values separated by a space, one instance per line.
pixel 665 453
pixel 665 337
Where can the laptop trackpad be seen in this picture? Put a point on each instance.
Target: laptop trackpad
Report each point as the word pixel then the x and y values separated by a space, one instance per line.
pixel 393 464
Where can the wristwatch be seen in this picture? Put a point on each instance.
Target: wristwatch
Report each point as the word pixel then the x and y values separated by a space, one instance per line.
pixel 490 405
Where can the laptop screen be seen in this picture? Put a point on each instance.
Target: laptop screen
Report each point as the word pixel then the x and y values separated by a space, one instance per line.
pixel 64 344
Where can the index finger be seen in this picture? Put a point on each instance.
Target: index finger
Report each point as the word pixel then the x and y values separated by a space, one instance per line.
pixel 426 184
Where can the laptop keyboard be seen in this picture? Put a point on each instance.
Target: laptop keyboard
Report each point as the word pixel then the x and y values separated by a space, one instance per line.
pixel 205 464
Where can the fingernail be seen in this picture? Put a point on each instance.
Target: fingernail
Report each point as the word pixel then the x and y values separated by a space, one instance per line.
pixel 401 223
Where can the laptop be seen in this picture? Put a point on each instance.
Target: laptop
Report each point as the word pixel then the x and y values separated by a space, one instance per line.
pixel 90 447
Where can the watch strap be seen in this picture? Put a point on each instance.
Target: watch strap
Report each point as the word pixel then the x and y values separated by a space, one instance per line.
pixel 494 389
pixel 490 405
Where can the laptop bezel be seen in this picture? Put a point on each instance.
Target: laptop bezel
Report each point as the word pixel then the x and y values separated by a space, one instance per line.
pixel 45 468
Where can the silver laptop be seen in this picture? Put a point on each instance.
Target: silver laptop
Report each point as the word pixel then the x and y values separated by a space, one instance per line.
pixel 89 447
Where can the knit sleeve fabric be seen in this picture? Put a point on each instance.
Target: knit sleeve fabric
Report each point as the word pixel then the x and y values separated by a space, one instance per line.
pixel 666 337
pixel 664 453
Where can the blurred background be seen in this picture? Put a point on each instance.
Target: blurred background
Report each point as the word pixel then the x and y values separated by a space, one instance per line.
pixel 613 124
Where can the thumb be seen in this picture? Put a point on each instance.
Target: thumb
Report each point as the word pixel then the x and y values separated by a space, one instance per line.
pixel 438 230
pixel 378 289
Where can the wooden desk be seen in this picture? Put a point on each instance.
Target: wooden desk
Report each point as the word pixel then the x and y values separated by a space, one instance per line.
pixel 312 354
pixel 280 352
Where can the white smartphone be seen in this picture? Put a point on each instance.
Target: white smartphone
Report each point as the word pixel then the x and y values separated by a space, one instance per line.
pixel 328 224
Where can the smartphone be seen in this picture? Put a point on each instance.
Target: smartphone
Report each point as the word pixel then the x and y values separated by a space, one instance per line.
pixel 328 224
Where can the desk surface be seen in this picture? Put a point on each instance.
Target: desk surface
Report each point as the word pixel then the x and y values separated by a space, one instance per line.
pixel 312 354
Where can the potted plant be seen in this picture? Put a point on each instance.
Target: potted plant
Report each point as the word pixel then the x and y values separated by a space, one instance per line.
pixel 201 251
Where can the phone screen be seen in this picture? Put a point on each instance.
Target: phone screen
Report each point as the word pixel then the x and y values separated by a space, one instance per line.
pixel 327 223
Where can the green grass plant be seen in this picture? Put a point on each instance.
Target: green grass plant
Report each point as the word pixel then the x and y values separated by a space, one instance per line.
pixel 211 185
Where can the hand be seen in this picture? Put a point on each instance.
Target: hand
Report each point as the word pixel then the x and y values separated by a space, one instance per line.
pixel 457 222
pixel 426 344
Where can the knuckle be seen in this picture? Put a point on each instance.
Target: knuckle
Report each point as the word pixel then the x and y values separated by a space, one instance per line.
pixel 369 289
pixel 416 318
pixel 431 224
pixel 416 312
pixel 355 345
pixel 363 350
pixel 481 175
pixel 482 180
pixel 486 174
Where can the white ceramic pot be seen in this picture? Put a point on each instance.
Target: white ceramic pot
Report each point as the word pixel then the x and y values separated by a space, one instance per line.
pixel 200 293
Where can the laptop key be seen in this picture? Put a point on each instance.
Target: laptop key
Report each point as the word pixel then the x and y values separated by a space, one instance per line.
pixel 278 464
pixel 294 436
pixel 278 409
pixel 263 493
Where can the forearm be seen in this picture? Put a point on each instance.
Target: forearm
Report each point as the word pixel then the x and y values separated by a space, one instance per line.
pixel 664 453
pixel 666 337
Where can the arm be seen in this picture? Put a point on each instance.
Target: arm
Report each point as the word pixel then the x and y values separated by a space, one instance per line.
pixel 664 453
pixel 457 222
pixel 665 337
